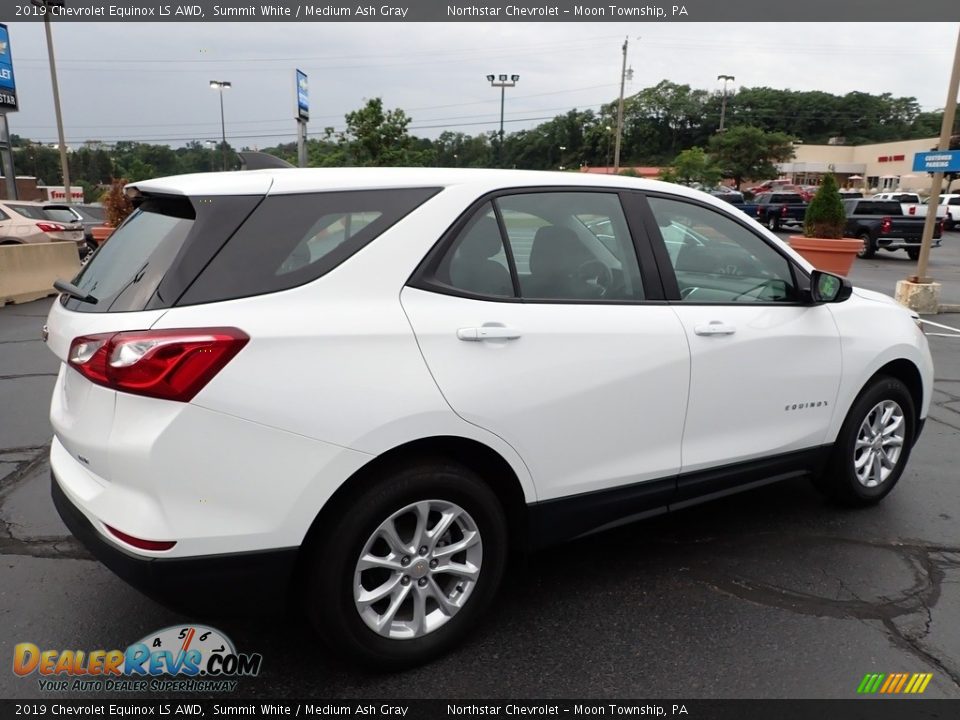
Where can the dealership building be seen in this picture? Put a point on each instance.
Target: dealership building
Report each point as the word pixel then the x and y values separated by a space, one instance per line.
pixel 884 166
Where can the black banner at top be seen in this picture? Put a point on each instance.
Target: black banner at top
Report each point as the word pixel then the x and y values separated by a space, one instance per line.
pixel 640 11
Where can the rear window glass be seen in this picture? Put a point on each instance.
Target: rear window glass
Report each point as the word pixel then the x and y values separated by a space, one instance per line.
pixel 785 198
pixel 127 269
pixel 60 215
pixel 292 239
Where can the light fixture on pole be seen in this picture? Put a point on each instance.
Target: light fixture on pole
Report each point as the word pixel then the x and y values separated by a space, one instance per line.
pixel 502 82
pixel 220 86
pixel 64 166
pixel 213 154
pixel 723 105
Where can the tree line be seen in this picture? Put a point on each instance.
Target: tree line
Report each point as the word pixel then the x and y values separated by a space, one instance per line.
pixel 660 123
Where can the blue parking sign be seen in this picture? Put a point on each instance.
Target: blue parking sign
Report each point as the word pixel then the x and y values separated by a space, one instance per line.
pixel 944 161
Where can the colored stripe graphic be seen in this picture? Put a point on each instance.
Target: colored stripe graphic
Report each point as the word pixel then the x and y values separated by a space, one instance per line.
pixel 894 683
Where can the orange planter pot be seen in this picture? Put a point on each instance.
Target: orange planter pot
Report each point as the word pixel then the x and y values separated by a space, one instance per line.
pixel 834 256
pixel 101 233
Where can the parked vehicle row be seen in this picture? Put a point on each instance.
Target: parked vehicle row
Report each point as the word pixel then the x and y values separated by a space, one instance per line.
pixel 23 222
pixel 948 209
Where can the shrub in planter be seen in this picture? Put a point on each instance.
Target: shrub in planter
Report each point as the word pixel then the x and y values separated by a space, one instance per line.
pixel 822 243
pixel 825 216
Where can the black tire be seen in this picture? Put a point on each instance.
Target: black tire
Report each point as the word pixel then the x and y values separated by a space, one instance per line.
pixel 913 253
pixel 869 246
pixel 839 480
pixel 773 223
pixel 331 561
pixel 949 224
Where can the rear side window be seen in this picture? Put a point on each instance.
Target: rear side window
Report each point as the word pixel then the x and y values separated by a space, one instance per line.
pixel 175 250
pixel 34 212
pixel 290 240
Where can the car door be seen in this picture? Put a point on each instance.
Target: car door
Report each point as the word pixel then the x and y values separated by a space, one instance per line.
pixel 765 365
pixel 540 325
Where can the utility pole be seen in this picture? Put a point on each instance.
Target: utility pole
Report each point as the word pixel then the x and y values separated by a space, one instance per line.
pixel 723 105
pixel 936 186
pixel 623 79
pixel 64 165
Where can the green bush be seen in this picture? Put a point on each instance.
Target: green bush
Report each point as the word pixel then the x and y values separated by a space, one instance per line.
pixel 825 216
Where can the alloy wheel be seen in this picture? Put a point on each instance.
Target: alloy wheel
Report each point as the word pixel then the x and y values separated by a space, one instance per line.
pixel 417 569
pixel 879 443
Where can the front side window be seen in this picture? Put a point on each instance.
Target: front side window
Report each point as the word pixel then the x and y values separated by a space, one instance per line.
pixel 717 260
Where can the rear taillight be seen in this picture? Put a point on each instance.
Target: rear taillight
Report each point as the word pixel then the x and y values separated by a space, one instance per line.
pixel 783 211
pixel 913 210
pixel 885 225
pixel 166 364
pixel 51 227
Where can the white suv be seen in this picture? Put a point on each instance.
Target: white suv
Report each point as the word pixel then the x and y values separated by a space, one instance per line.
pixel 369 388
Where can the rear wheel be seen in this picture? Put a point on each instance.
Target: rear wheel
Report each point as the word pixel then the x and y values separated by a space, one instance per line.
pixel 913 253
pixel 869 247
pixel 404 574
pixel 773 222
pixel 873 445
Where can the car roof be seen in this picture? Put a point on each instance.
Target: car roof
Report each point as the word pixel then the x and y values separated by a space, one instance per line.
pixel 297 180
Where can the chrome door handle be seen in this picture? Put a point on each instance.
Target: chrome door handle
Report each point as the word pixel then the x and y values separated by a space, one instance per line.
pixel 715 327
pixel 488 332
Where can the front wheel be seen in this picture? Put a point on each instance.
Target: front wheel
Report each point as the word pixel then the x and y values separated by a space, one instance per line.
pixel 873 445
pixel 405 572
pixel 869 248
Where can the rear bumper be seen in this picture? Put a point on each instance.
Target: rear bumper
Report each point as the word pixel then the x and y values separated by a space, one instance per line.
pixel 899 243
pixel 249 583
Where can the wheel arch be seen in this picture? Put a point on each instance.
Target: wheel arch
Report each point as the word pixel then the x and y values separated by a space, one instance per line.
pixel 490 465
pixel 907 373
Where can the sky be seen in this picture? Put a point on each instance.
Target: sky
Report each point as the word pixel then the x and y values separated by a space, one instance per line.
pixel 149 82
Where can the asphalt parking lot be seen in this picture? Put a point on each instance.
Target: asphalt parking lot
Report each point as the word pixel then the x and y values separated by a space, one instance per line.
pixel 770 594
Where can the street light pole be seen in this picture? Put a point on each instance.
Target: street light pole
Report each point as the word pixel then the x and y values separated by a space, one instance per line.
pixel 723 105
pixel 64 165
pixel 220 86
pixel 503 83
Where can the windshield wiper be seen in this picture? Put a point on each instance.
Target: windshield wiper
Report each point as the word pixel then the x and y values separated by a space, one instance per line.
pixel 74 292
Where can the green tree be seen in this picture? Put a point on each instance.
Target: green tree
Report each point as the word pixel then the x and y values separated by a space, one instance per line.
pixel 693 166
pixel 749 152
pixel 375 137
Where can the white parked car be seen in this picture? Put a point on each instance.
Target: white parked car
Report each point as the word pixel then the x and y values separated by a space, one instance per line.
pixel 369 388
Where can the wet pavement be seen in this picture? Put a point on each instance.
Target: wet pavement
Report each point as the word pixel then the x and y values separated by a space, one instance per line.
pixel 773 593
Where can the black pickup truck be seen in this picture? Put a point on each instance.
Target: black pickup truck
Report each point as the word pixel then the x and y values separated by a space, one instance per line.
pixel 882 225
pixel 775 209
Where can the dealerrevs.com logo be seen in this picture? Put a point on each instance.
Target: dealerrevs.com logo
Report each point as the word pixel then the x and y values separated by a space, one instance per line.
pixel 192 658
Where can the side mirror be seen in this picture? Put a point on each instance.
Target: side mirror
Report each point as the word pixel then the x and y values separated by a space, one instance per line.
pixel 828 288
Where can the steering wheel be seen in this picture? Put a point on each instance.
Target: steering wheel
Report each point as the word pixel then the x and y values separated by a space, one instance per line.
pixel 597 271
